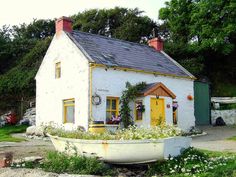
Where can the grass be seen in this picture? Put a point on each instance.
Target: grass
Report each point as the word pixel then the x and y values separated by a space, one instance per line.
pixel 233 138
pixel 6 131
pixel 222 171
pixel 217 153
pixel 199 162
pixel 194 162
pixel 58 162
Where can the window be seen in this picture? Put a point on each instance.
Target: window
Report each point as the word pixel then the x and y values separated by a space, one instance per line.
pixel 175 112
pixel 69 110
pixel 58 70
pixel 112 107
pixel 139 110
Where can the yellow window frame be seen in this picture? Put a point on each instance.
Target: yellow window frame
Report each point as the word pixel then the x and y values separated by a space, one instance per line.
pixel 66 104
pixel 135 111
pixel 110 110
pixel 58 70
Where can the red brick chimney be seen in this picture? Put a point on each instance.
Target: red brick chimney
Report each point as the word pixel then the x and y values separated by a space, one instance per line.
pixel 64 24
pixel 156 43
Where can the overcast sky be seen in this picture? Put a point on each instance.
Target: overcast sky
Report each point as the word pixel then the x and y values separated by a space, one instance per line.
pixel 14 12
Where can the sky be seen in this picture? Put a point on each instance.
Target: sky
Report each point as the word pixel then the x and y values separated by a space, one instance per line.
pixel 15 12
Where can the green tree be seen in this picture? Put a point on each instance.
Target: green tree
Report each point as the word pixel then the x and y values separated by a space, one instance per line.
pixel 17 41
pixel 38 29
pixel 121 23
pixel 5 45
pixel 18 82
pixel 202 38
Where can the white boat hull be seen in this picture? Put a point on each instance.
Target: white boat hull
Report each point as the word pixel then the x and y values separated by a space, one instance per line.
pixel 123 151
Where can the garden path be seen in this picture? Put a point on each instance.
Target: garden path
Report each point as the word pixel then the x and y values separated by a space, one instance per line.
pixel 23 172
pixel 216 139
pixel 30 147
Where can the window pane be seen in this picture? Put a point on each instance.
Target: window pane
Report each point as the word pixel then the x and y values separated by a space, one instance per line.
pixel 58 70
pixel 108 104
pixel 113 113
pixel 113 104
pixel 108 115
pixel 138 115
pixel 70 114
pixel 139 107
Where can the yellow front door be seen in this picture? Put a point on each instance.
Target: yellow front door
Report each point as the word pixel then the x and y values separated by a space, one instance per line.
pixel 157 111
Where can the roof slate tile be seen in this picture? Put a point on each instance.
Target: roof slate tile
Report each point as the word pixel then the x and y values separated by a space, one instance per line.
pixel 114 52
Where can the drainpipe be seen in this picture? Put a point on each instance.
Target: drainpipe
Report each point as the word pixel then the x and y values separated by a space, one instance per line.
pixel 91 66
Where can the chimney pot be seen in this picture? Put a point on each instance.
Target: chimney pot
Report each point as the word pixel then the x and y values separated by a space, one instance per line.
pixel 64 24
pixel 156 43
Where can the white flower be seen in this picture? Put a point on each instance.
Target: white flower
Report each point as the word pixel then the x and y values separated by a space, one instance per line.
pixel 172 171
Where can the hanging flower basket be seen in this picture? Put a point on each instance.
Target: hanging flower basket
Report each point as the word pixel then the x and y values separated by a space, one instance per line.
pixel 140 107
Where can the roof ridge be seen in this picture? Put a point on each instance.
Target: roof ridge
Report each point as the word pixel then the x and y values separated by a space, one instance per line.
pixel 111 38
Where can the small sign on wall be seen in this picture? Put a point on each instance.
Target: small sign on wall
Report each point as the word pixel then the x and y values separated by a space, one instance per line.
pixel 102 90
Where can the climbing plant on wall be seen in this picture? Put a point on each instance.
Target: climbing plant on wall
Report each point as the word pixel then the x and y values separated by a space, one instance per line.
pixel 128 96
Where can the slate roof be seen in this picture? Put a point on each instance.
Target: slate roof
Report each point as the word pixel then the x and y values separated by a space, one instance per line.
pixel 114 52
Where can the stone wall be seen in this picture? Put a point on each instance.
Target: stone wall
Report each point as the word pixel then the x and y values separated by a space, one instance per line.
pixel 3 119
pixel 229 116
pixel 30 115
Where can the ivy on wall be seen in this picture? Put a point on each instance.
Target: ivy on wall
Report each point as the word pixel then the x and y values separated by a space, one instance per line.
pixel 128 96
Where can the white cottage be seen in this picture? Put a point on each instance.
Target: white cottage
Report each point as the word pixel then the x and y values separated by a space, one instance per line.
pixel 82 77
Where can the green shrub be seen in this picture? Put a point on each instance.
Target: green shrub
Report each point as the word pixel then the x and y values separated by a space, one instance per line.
pixel 58 162
pixel 189 163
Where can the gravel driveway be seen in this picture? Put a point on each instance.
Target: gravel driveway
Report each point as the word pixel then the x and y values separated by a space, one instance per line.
pixel 30 147
pixel 23 172
pixel 215 140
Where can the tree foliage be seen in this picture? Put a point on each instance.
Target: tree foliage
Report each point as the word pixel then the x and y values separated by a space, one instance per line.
pixel 19 81
pixel 22 50
pixel 121 23
pixel 202 38
pixel 17 41
pixel 5 45
pixel 201 24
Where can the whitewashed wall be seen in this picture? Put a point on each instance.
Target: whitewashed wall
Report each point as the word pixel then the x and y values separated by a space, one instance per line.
pixel 74 83
pixel 147 114
pixel 112 83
